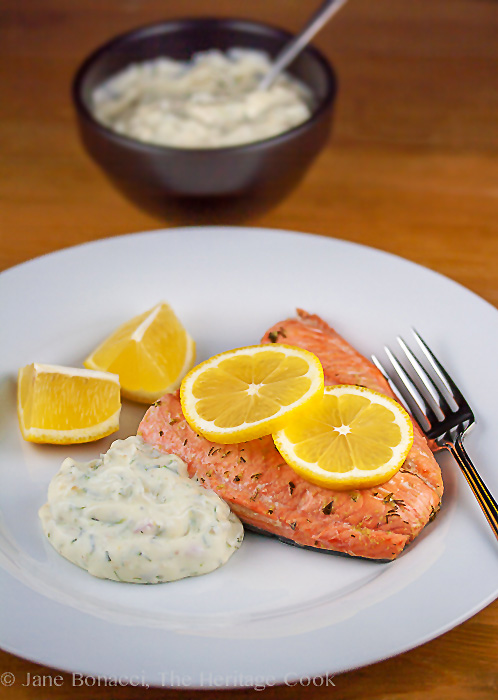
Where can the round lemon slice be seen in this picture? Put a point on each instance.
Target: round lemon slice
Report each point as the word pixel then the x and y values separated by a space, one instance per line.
pixel 66 405
pixel 246 393
pixel 151 354
pixel 353 438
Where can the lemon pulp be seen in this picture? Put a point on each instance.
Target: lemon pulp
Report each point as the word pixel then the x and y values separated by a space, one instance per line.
pixel 353 438
pixel 150 353
pixel 66 405
pixel 249 392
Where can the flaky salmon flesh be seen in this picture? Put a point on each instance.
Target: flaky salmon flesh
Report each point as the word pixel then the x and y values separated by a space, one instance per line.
pixel 266 494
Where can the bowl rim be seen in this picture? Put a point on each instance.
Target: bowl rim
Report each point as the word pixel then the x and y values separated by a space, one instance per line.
pixel 182 23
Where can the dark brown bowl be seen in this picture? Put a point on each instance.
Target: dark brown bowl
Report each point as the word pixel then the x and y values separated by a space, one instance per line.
pixel 154 176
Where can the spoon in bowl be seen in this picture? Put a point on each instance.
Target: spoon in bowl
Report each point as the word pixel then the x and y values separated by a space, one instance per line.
pixel 318 20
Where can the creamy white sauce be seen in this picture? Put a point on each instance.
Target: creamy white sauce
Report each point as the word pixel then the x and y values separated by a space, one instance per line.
pixel 211 101
pixel 134 515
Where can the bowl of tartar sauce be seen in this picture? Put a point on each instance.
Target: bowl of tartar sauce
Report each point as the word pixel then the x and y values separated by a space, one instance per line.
pixel 174 110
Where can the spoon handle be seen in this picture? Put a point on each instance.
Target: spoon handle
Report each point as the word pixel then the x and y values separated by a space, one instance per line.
pixel 325 12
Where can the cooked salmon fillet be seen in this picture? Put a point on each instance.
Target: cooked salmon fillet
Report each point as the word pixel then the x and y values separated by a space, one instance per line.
pixel 268 495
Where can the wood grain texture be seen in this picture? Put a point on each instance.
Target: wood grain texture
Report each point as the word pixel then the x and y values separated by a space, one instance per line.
pixel 411 168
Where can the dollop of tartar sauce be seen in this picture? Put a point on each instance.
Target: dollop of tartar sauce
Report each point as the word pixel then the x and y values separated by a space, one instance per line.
pixel 134 515
pixel 209 102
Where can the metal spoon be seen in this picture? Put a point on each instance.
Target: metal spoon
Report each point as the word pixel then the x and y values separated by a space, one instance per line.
pixel 325 12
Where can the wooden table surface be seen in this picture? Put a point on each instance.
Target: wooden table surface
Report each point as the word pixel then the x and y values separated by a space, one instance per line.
pixel 411 168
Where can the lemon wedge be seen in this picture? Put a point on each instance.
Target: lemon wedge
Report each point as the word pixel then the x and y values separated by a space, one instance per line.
pixel 353 438
pixel 249 392
pixel 151 353
pixel 65 405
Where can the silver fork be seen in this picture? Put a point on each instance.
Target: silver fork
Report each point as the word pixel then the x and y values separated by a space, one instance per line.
pixel 445 425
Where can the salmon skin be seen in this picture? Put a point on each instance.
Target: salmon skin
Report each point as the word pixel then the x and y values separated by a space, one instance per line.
pixel 267 495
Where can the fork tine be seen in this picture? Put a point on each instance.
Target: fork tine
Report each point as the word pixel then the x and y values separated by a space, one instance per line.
pixel 439 401
pixel 388 379
pixel 443 375
pixel 416 399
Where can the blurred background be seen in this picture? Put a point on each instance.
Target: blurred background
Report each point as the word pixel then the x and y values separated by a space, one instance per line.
pixel 412 153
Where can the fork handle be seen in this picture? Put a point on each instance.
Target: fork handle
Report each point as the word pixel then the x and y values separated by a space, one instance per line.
pixel 481 491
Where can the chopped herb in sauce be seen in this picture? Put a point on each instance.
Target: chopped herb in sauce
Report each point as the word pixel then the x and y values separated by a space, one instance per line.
pixel 137 530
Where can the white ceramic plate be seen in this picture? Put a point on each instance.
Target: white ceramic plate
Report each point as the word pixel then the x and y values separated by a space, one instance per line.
pixel 274 613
